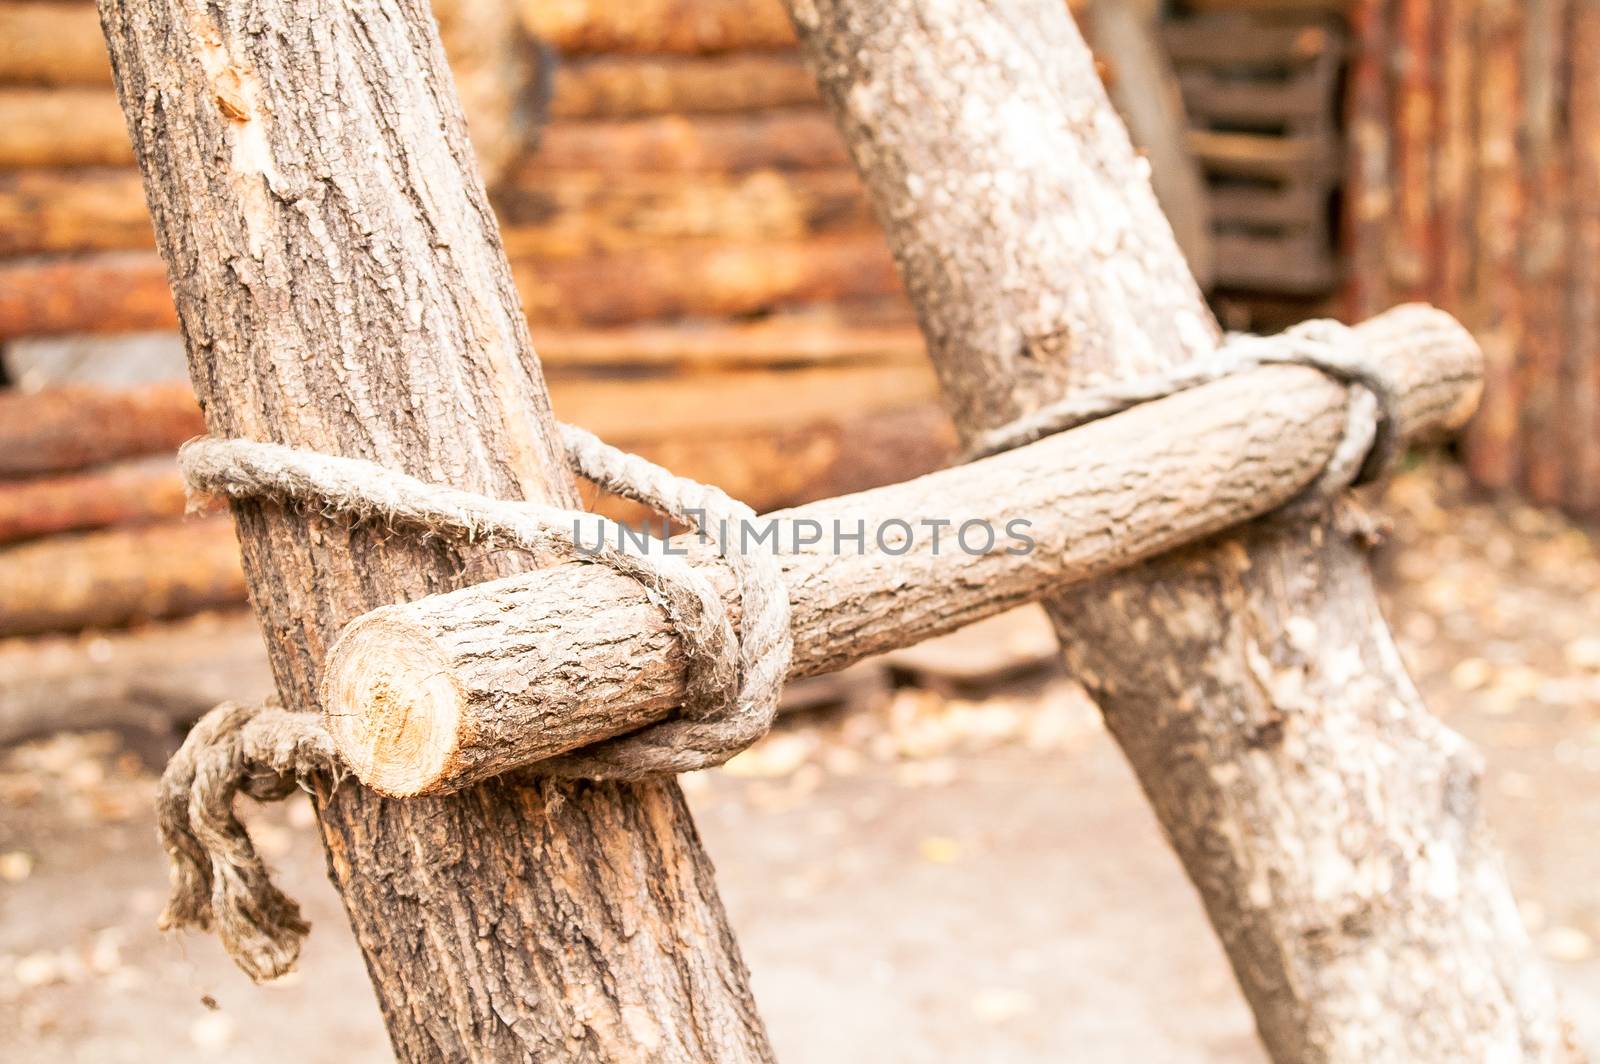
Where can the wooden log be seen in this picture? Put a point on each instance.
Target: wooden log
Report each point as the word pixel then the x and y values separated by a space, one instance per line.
pixel 1369 174
pixel 1497 311
pixel 77 426
pixel 657 26
pixel 631 86
pixel 1329 824
pixel 127 291
pixel 638 411
pixel 712 278
pixel 1413 253
pixel 55 210
pixel 718 144
pixel 1544 265
pixel 154 678
pixel 575 214
pixel 566 214
pixel 1454 172
pixel 61 126
pixel 579 653
pixel 499 77
pixel 785 462
pixel 110 292
pixel 65 127
pixel 383 321
pixel 119 576
pixel 1259 155
pixel 124 494
pixel 1145 92
pixel 59 44
pixel 52 43
pixel 1582 379
pixel 846 433
pixel 798 338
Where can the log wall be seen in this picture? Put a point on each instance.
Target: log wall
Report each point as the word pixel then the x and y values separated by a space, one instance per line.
pixel 693 249
pixel 1474 176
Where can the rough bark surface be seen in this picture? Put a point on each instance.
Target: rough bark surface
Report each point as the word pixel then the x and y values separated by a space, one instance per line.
pixel 340 284
pixel 1330 824
pixel 432 695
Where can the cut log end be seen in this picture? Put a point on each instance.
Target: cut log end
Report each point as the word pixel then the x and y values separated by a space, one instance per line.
pixel 392 707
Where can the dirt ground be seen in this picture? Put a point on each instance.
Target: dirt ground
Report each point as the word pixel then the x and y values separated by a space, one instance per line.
pixel 914 876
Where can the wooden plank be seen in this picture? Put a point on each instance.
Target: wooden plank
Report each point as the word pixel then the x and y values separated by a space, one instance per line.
pixel 1262 156
pixel 1292 207
pixel 1215 42
pixel 1211 97
pixel 1299 264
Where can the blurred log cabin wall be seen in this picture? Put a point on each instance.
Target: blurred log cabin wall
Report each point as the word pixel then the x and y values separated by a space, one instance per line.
pixel 1474 176
pixel 706 285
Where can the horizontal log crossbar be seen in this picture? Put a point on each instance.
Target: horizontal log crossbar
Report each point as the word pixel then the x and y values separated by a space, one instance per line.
pixel 433 695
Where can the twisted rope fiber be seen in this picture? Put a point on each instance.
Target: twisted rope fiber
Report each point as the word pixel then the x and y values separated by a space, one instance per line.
pixel 732 683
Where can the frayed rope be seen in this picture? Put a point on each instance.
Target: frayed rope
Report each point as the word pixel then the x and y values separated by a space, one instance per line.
pixel 218 879
pixel 732 682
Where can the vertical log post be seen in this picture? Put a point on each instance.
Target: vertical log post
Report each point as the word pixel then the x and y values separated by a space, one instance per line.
pixel 1330 824
pixel 341 286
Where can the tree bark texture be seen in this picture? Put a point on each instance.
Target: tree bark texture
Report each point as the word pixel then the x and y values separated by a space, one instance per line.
pixel 432 695
pixel 341 286
pixel 1330 824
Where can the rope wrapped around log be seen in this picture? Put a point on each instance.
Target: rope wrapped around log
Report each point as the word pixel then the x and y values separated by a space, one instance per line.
pixel 731 683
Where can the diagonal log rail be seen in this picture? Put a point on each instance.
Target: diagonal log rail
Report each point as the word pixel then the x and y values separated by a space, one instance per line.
pixel 433 695
pixel 1330 824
